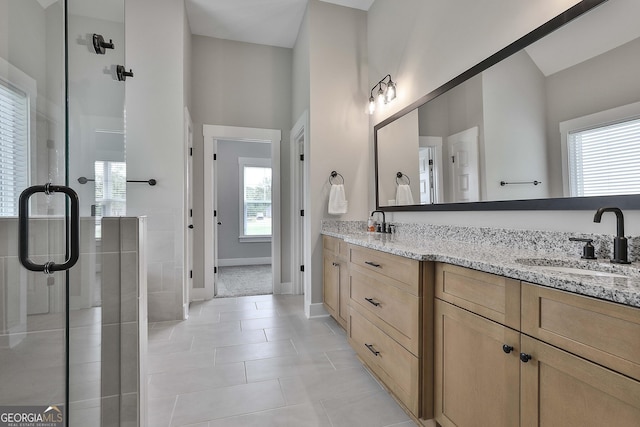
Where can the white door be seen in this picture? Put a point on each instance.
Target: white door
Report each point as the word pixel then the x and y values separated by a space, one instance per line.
pixel 426 182
pixel 463 166
pixel 186 297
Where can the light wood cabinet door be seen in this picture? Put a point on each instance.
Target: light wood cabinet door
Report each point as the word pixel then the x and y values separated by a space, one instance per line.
pixel 561 389
pixel 477 383
pixel 343 291
pixel 331 285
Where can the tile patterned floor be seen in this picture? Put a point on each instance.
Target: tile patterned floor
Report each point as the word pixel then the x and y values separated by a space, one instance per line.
pixel 257 361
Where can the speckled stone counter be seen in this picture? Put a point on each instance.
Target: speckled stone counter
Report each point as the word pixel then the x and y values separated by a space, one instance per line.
pixel 518 254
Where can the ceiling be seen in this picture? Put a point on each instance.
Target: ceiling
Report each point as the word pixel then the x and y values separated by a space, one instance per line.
pixel 267 22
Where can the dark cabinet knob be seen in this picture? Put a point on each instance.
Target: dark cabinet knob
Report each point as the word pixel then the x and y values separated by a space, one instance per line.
pixel 507 348
pixel 525 357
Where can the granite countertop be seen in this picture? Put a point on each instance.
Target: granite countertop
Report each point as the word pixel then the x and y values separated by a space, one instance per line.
pixel 518 264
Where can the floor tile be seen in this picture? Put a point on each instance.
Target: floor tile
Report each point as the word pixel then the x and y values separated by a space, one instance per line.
pixel 282 367
pixel 257 361
pixel 226 402
pixel 168 384
pixel 304 415
pixel 366 410
pixel 314 387
pixel 239 353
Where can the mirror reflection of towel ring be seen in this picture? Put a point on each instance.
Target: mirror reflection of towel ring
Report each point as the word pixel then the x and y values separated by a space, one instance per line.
pixel 400 175
pixel 333 175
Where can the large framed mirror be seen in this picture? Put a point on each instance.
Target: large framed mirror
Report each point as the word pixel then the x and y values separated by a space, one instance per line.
pixel 551 121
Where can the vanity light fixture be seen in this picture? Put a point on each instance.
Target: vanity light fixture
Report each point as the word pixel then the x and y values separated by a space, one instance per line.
pixel 386 93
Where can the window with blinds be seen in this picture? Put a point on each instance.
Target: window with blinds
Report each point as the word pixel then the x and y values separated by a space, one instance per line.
pixel 14 147
pixel 605 160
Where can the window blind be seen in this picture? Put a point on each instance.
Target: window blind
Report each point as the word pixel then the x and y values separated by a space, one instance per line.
pixel 14 142
pixel 605 160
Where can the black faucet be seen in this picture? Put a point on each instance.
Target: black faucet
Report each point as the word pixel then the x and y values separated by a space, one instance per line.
pixel 383 227
pixel 619 242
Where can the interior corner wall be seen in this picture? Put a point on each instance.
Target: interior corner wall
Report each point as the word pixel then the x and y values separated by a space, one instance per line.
pixel 337 115
pixel 186 63
pixel 245 85
pixel 155 101
pixel 425 44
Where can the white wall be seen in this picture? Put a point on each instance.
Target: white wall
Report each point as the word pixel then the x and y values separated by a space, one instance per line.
pixel 245 85
pixel 425 44
pixel 515 143
pixel 398 145
pixel 155 102
pixel 338 98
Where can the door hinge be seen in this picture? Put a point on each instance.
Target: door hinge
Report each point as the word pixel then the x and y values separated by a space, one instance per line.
pixel 302 268
pixel 453 159
pixel 190 212
pixel 301 157
pixel 215 156
pixel 191 151
pixel 430 162
pixel 190 274
pixel 215 270
pixel 215 213
pixel 302 212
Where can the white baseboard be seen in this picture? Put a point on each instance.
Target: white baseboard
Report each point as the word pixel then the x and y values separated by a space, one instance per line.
pixel 317 310
pixel 185 311
pixel 232 262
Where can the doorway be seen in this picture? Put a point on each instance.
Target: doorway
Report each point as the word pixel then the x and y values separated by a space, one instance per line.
pixel 248 224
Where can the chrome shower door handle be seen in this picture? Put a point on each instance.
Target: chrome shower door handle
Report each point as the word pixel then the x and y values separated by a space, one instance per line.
pixel 73 229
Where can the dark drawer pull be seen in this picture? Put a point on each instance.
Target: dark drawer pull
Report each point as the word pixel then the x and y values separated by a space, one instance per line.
pixel 371 349
pixel 371 301
pixel 373 264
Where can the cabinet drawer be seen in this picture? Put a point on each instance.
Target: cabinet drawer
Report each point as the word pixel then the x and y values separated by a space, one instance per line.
pixel 494 297
pixel 402 269
pixel 392 363
pixel 338 246
pixel 393 310
pixel 604 332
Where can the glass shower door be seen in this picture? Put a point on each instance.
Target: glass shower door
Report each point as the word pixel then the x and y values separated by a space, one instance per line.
pixel 52 334
pixel 33 308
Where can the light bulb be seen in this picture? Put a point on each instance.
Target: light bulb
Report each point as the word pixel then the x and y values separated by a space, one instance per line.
pixel 381 97
pixel 391 91
pixel 372 105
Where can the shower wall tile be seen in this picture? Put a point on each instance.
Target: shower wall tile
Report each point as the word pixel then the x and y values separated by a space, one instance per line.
pixel 128 286
pixel 110 412
pixel 110 352
pixel 154 277
pixel 129 349
pixel 162 306
pixel 129 411
pixel 111 288
pixel 110 234
pixel 161 246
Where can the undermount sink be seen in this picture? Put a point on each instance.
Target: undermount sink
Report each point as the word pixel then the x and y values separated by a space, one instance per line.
pixel 560 266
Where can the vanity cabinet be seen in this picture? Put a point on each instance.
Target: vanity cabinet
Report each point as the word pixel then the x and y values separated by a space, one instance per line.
pixel 530 355
pixel 386 309
pixel 335 273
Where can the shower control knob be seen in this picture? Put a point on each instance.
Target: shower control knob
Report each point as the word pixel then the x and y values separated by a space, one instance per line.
pixel 100 46
pixel 122 73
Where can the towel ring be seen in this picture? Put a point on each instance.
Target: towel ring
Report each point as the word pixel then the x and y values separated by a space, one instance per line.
pixel 400 175
pixel 333 175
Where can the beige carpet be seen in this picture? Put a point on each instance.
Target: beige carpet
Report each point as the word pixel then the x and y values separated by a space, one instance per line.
pixel 244 280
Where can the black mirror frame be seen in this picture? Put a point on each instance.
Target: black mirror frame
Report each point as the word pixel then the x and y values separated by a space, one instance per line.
pixel 562 203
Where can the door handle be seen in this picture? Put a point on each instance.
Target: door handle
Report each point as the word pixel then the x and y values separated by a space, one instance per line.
pixel 190 225
pixel 73 229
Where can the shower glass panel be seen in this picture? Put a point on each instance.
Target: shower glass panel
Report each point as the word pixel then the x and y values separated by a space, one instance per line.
pixel 52 347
